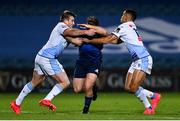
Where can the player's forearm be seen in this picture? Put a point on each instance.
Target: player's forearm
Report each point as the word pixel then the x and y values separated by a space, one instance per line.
pixel 98 41
pixel 75 41
pixel 74 33
pixel 98 29
pixel 71 40
pixel 104 40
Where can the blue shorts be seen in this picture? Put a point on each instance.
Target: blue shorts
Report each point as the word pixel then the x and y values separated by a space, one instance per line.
pixel 83 68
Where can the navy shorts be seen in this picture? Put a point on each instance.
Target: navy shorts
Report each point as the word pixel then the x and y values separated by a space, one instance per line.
pixel 83 68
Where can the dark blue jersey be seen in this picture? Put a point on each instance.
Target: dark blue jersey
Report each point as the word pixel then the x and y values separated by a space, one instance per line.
pixel 91 52
pixel 90 58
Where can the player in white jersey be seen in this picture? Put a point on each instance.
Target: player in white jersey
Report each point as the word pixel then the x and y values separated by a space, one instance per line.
pixel 46 63
pixel 142 60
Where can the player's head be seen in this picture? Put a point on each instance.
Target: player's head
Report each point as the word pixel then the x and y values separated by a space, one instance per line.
pixel 92 20
pixel 128 15
pixel 68 17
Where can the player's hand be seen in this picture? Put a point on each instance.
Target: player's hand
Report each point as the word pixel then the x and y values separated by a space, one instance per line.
pixel 78 41
pixel 85 40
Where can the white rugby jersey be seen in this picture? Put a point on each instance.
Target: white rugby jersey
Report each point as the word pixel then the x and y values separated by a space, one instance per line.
pixel 56 43
pixel 128 33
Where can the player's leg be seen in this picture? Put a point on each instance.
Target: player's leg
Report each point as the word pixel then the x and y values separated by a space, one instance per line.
pixel 140 93
pixel 129 76
pixel 143 94
pixel 97 72
pixel 142 67
pixel 133 79
pixel 94 89
pixel 155 97
pixel 128 81
pixel 78 84
pixel 36 79
pixel 132 82
pixel 79 78
pixel 56 71
pixel 63 82
pixel 137 78
pixel 89 82
pixel 146 66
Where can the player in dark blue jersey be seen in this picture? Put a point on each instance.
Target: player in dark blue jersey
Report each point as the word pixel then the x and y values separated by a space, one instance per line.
pixel 88 65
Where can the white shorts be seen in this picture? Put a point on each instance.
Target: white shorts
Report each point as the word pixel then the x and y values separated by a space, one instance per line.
pixel 47 66
pixel 144 64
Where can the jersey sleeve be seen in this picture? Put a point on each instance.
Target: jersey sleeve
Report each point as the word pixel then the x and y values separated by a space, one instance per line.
pixel 62 28
pixel 119 31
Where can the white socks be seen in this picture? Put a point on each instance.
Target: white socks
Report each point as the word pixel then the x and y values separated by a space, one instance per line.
pixel 148 93
pixel 54 92
pixel 24 92
pixel 29 87
pixel 142 95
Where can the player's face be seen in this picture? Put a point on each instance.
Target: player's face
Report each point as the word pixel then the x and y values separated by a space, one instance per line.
pixel 71 22
pixel 124 17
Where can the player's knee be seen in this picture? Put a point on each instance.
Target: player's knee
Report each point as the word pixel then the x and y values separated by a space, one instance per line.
pixel 127 88
pixel 77 89
pixel 133 88
pixel 66 83
pixel 88 87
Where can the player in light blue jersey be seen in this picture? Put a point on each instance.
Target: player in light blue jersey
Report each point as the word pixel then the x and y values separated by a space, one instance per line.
pixel 142 61
pixel 46 63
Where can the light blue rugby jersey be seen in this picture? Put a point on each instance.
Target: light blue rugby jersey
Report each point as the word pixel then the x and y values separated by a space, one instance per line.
pixel 56 43
pixel 128 33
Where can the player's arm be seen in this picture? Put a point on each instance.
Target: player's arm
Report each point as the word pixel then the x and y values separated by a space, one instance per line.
pixel 75 41
pixel 77 32
pixel 98 29
pixel 111 38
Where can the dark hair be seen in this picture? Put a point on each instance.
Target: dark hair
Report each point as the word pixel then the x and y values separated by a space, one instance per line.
pixel 66 14
pixel 133 13
pixel 92 20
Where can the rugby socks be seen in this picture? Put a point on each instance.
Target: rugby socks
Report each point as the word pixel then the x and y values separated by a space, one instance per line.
pixel 87 104
pixel 25 91
pixel 54 92
pixel 143 97
pixel 148 93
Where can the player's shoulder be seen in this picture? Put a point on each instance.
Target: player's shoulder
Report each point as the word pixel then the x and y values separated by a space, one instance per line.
pixel 62 25
pixel 123 25
pixel 130 24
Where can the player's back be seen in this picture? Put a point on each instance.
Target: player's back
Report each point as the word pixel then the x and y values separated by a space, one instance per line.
pixel 56 43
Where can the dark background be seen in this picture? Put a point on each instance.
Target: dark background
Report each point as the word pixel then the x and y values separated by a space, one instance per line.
pixel 25 26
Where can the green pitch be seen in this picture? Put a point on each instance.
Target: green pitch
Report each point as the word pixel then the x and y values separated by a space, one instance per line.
pixel 108 106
